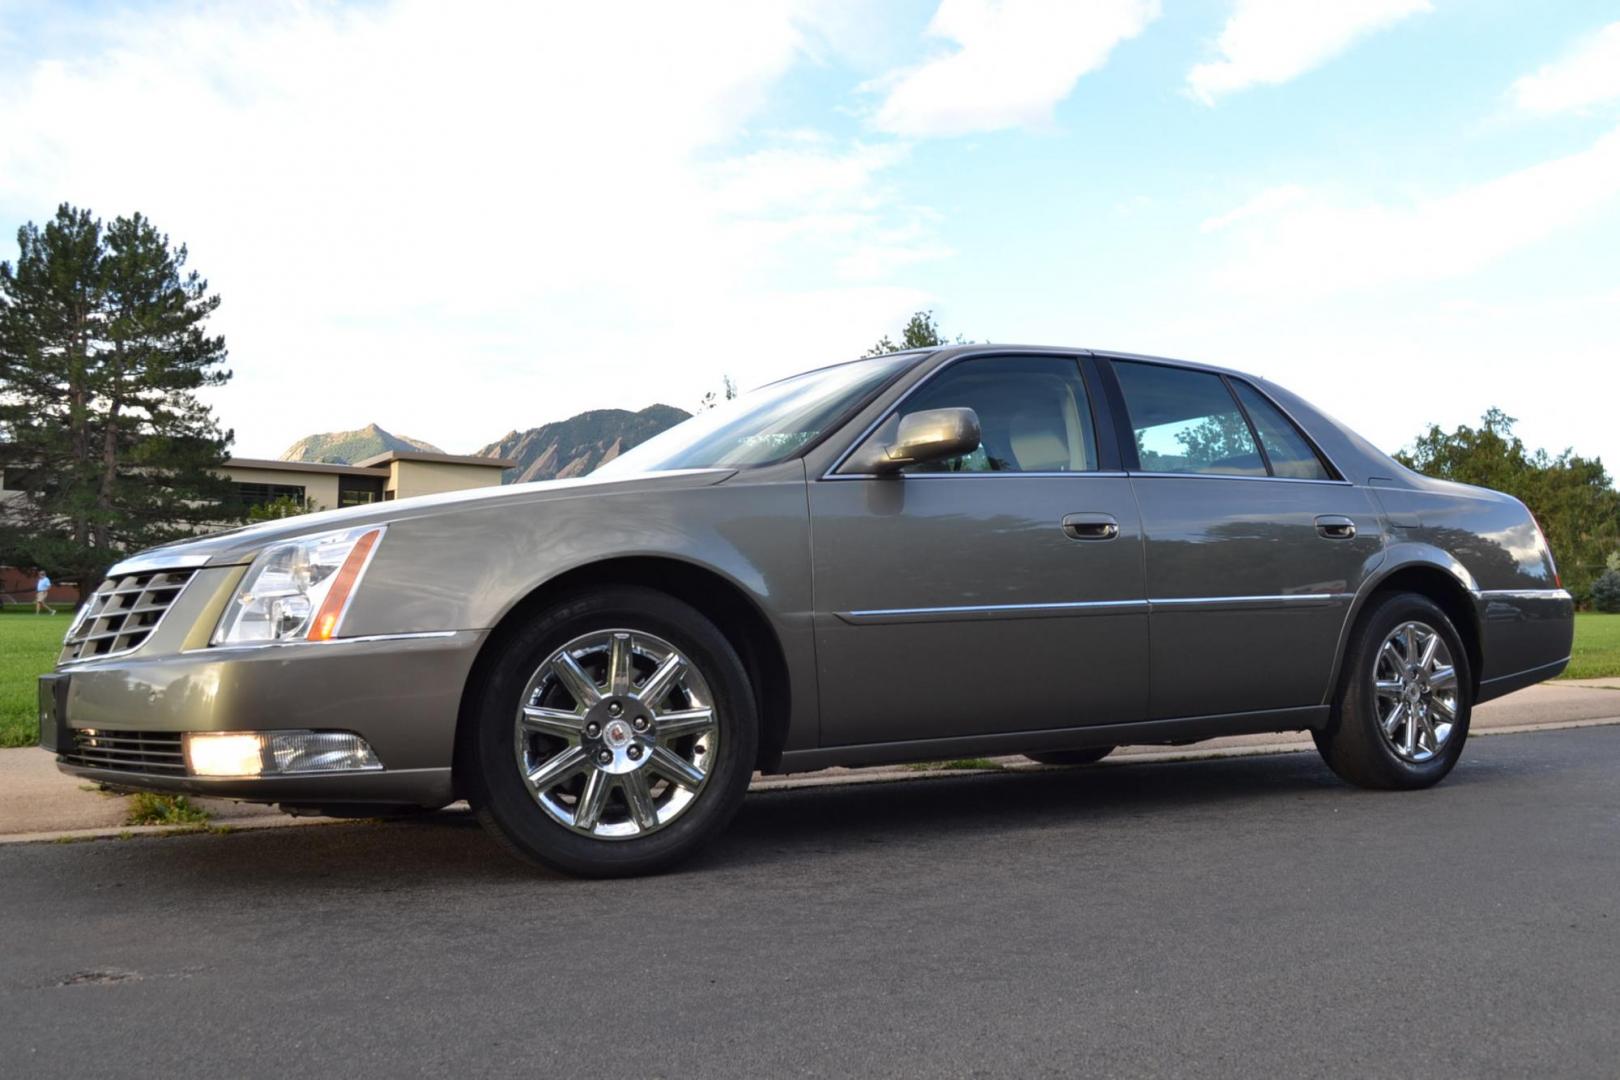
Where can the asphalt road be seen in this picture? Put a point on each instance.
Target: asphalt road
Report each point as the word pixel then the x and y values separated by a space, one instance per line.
pixel 1230 917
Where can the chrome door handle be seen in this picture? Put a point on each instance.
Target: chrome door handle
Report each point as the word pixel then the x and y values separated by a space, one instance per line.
pixel 1335 526
pixel 1090 526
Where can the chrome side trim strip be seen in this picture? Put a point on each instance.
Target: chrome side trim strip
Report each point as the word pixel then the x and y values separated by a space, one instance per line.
pixel 991 611
pixel 156 560
pixel 1524 594
pixel 957 613
pixel 1006 474
pixel 1144 475
pixel 254 646
pixel 1235 602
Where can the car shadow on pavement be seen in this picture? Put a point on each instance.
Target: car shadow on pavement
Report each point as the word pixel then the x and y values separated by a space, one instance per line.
pixel 936 812
pixel 1100 803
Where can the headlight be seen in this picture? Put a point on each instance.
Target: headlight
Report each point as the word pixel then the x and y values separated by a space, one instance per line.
pixel 299 590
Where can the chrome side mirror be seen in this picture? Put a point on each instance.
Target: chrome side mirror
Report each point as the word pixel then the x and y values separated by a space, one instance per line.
pixel 929 436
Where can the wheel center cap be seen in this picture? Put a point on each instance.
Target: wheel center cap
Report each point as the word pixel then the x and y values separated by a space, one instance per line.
pixel 617 734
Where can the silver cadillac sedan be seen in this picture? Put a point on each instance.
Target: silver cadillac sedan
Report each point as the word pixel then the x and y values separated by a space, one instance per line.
pixel 968 550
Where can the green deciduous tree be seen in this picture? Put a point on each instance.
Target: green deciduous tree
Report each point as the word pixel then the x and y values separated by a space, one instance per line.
pixel 920 332
pixel 284 507
pixel 1572 497
pixel 103 347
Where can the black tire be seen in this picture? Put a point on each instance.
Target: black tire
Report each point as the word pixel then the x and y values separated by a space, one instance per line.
pixel 1089 756
pixel 1353 744
pixel 503 801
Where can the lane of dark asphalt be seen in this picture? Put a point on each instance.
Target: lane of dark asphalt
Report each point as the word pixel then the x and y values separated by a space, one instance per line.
pixel 1226 917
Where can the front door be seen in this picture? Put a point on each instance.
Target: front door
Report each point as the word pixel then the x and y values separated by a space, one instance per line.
pixel 997 592
pixel 1255 548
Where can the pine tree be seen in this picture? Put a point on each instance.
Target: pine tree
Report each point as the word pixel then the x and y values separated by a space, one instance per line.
pixel 103 347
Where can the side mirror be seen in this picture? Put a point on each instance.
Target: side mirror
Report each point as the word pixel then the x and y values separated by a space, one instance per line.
pixel 929 436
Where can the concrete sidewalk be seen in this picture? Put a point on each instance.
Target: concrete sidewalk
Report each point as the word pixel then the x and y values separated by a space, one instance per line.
pixel 39 803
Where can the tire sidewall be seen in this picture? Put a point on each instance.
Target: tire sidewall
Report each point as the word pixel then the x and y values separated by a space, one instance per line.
pixel 1359 708
pixel 502 799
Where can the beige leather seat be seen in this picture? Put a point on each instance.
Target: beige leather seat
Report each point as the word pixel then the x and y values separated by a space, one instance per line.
pixel 1039 441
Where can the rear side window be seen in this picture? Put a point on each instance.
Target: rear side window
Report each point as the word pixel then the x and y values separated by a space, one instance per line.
pixel 1286 448
pixel 1186 422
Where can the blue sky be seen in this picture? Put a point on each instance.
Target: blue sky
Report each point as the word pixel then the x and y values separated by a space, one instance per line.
pixel 456 220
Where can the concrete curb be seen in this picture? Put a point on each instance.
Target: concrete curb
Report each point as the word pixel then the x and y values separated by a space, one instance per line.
pixel 220 826
pixel 884 775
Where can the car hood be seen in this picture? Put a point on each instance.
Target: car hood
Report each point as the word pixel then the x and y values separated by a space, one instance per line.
pixel 240 545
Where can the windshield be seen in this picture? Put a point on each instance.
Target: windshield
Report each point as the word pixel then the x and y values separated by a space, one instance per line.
pixel 763 426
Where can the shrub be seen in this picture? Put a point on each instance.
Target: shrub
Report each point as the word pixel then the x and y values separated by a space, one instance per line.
pixel 150 808
pixel 1606 591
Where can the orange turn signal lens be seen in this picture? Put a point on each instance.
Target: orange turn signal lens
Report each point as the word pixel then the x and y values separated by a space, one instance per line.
pixel 330 616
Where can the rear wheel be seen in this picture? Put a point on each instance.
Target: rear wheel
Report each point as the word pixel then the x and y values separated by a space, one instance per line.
pixel 1088 756
pixel 615 735
pixel 1403 705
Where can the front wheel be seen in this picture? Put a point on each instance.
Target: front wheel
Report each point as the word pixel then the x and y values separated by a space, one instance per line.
pixel 614 735
pixel 1402 712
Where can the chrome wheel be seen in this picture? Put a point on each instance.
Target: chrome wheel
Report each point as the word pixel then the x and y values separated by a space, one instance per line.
pixel 616 734
pixel 1415 690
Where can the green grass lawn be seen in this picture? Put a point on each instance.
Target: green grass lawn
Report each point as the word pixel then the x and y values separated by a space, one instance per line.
pixel 28 647
pixel 29 643
pixel 1597 646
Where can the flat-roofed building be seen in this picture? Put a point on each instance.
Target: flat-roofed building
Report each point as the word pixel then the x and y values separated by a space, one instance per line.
pixel 258 482
pixel 393 475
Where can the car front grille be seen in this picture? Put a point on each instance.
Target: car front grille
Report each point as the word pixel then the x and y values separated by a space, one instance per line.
pixel 157 752
pixel 123 613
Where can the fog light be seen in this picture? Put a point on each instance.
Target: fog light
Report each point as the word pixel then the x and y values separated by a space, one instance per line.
pixel 221 753
pixel 276 753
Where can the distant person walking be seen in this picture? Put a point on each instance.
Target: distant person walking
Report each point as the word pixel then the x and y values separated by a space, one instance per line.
pixel 42 588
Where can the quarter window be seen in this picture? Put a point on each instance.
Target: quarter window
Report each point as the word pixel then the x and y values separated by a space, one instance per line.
pixel 1186 422
pixel 1286 448
pixel 1033 413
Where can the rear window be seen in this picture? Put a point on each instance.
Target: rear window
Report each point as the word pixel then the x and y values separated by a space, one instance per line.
pixel 1186 422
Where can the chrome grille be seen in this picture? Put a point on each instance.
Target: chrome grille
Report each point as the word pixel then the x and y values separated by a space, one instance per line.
pixel 127 751
pixel 123 613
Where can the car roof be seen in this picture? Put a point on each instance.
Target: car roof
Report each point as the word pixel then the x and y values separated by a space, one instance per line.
pixel 1107 354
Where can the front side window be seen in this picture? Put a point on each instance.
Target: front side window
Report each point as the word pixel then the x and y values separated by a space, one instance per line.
pixel 1033 413
pixel 766 425
pixel 1286 448
pixel 1186 422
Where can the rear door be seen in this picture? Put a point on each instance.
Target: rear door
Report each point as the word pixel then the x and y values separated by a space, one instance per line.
pixel 1255 546
pixel 1001 591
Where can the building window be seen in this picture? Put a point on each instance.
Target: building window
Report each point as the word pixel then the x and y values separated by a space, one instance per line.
pixel 250 495
pixel 359 490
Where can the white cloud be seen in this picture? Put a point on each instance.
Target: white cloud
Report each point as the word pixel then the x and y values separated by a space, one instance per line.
pixel 1587 75
pixel 1014 61
pixel 1291 241
pixel 1272 41
pixel 459 219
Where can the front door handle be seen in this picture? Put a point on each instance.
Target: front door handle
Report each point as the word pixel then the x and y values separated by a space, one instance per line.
pixel 1090 526
pixel 1335 527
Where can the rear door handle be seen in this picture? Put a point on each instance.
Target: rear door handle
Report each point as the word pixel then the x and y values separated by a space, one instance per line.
pixel 1090 526
pixel 1335 526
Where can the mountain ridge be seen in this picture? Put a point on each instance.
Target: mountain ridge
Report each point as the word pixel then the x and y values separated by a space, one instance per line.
pixel 575 446
pixel 348 447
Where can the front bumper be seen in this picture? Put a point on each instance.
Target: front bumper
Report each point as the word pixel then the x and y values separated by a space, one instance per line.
pixel 401 694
